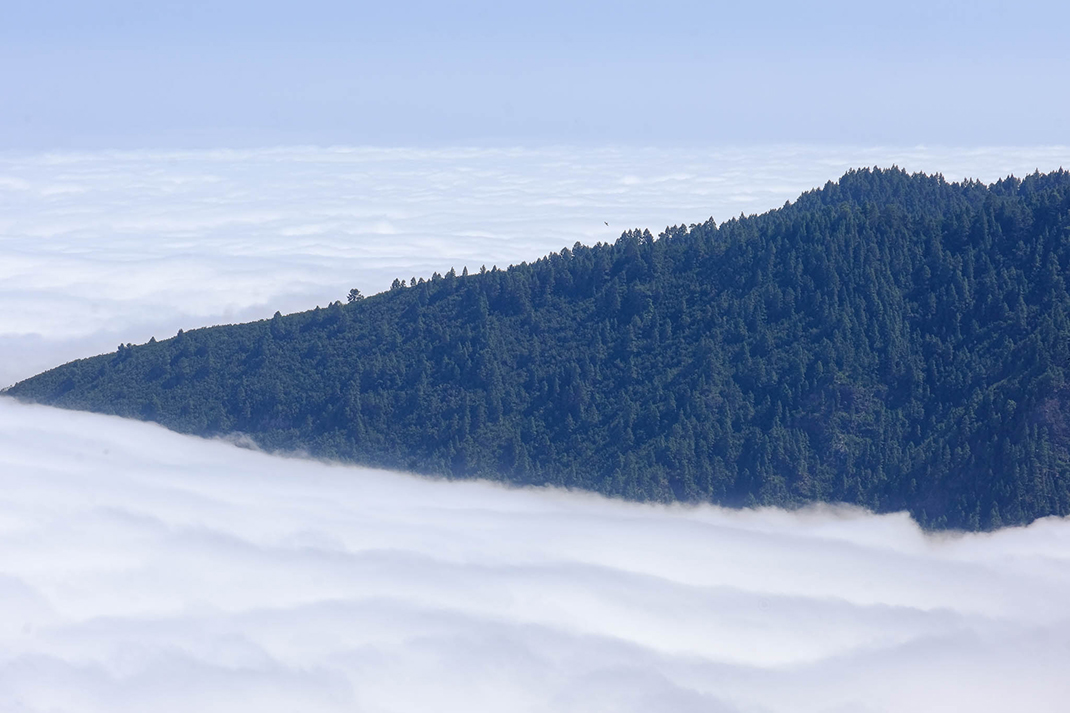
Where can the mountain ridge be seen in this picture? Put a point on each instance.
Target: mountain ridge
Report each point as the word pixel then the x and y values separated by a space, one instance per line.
pixel 890 340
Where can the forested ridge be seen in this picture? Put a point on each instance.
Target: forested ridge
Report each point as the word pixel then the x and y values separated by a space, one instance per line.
pixel 890 340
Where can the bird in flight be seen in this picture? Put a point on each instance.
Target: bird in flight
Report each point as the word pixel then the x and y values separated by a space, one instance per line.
pixel 607 224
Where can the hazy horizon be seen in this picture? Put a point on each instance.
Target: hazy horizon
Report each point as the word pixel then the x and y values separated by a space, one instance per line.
pixel 236 73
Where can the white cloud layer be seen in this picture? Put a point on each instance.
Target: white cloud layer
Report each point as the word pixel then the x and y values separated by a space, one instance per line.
pixel 144 570
pixel 108 247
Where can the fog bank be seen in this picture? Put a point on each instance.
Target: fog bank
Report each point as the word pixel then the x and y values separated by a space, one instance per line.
pixel 144 570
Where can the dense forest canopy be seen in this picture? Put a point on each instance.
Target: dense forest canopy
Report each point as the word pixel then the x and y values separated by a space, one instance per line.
pixel 890 340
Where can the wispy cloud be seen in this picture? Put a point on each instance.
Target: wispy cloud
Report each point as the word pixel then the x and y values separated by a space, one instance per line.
pixel 143 570
pixel 97 248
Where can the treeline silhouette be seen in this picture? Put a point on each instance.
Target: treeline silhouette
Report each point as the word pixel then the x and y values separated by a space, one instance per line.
pixel 890 340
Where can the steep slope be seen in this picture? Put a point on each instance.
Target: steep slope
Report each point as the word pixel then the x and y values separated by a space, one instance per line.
pixel 891 340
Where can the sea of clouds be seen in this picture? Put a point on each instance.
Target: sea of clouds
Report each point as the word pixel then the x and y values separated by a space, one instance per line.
pixel 144 570
pixel 109 247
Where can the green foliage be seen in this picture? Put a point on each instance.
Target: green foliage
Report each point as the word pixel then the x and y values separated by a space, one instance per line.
pixel 890 340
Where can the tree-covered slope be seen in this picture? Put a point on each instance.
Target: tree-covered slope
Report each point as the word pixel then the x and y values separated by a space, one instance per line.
pixel 891 340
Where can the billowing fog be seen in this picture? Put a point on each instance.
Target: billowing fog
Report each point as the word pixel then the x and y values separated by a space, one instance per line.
pixel 141 570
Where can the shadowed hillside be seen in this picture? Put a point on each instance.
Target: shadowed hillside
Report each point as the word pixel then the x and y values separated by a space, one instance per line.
pixel 890 340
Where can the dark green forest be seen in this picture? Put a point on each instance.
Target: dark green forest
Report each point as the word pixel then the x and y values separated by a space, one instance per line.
pixel 890 340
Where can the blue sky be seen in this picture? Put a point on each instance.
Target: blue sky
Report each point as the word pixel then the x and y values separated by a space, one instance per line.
pixel 126 74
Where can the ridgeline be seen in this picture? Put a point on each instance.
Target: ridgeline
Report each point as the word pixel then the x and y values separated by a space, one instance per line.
pixel 890 340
